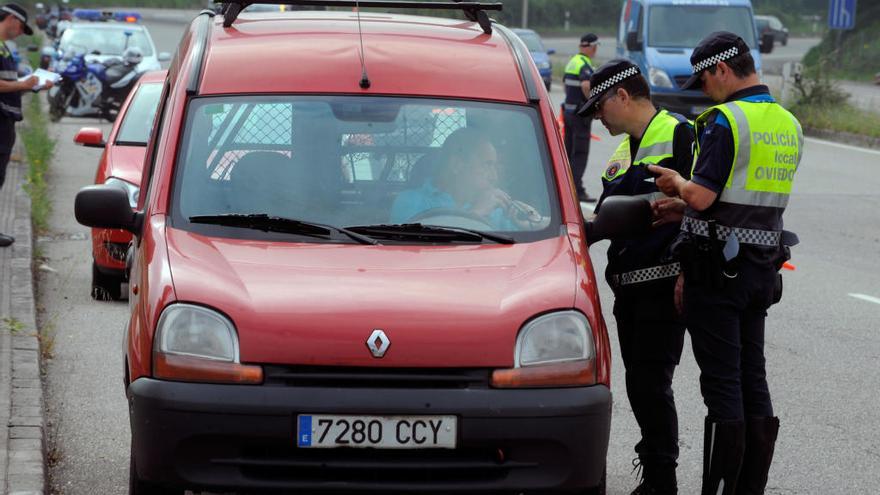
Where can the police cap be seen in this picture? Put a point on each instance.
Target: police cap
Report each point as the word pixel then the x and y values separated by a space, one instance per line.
pixel 716 47
pixel 606 78
pixel 19 13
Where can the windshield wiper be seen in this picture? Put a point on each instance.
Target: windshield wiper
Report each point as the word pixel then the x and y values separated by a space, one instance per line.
pixel 267 223
pixel 431 233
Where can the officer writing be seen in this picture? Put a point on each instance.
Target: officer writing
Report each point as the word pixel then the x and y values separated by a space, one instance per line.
pixel 577 130
pixel 650 332
pixel 13 22
pixel 731 247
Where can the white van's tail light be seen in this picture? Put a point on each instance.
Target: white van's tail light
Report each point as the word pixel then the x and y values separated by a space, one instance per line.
pixel 196 344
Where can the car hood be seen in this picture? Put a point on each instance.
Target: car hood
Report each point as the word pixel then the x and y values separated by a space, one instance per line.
pixel 126 163
pixel 316 304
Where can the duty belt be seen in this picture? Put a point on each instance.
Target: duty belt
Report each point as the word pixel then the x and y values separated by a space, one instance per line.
pixel 744 236
pixel 646 274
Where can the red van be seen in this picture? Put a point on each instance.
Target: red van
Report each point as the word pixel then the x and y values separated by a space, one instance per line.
pixel 359 265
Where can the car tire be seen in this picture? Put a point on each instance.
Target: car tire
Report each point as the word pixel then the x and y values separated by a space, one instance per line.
pixel 105 287
pixel 785 41
pixel 137 486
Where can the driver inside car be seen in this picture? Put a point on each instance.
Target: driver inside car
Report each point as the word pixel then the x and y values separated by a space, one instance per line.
pixel 465 181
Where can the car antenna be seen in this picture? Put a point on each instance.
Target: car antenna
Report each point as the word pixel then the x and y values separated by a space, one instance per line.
pixel 365 80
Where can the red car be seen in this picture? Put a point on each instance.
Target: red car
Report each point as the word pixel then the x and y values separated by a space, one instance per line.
pixel 121 165
pixel 359 271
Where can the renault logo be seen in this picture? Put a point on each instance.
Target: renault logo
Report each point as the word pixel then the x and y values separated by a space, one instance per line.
pixel 378 343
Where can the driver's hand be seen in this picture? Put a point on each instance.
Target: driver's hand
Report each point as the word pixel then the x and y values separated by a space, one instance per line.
pixel 493 199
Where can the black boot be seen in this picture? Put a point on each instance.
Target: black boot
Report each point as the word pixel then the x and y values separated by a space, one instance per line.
pixel 658 478
pixel 723 445
pixel 6 240
pixel 760 439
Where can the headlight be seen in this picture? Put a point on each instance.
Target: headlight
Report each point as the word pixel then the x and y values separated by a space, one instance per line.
pixel 544 65
pixel 553 350
pixel 193 343
pixel 659 78
pixel 552 338
pixel 132 190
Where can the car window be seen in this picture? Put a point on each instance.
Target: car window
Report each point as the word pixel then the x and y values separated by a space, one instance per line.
pixel 665 21
pixel 138 119
pixel 105 41
pixel 363 161
pixel 532 41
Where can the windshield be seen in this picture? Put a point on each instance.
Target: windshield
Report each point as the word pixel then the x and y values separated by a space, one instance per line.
pixel 138 120
pixel 665 24
pixel 366 161
pixel 532 41
pixel 104 41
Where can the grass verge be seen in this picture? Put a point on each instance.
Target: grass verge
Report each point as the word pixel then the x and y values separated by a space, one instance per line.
pixel 839 118
pixel 39 148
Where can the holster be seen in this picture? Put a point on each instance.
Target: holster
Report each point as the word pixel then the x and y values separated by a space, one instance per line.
pixel 702 260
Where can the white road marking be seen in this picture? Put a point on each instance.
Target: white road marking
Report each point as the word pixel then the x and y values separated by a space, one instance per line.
pixel 875 300
pixel 844 146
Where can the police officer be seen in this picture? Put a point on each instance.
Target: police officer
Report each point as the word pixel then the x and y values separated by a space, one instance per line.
pixel 731 248
pixel 13 22
pixel 650 332
pixel 577 130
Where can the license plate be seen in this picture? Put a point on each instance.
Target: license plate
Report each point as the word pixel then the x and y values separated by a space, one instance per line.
pixel 379 432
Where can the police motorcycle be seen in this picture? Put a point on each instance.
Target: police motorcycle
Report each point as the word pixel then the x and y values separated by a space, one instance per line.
pixel 93 88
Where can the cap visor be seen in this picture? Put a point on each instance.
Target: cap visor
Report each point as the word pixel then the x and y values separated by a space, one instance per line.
pixel 693 82
pixel 588 109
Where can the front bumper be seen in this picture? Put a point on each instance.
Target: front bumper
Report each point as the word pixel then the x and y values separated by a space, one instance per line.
pixel 233 437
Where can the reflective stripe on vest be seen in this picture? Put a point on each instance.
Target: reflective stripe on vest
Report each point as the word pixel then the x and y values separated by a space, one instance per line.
pixel 656 145
pixel 768 143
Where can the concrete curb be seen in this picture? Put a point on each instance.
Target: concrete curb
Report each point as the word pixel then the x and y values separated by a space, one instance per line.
pixel 25 471
pixel 843 137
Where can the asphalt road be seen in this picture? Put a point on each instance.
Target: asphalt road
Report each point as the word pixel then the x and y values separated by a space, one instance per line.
pixel 822 340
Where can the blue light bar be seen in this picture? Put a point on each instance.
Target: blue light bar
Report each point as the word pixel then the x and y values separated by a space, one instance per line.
pixel 98 15
pixel 88 14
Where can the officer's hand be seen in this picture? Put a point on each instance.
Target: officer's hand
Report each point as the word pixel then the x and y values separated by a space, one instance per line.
pixel 30 82
pixel 667 210
pixel 666 179
pixel 678 296
pixel 48 84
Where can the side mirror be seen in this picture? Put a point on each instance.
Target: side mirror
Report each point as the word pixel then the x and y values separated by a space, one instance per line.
pixel 766 44
pixel 164 56
pixel 632 41
pixel 91 137
pixel 551 51
pixel 620 217
pixel 106 207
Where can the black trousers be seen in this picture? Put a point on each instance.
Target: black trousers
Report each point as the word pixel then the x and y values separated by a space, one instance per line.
pixel 7 140
pixel 651 339
pixel 577 147
pixel 727 331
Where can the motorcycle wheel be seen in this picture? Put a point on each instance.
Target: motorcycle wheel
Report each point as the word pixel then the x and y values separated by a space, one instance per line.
pixel 56 107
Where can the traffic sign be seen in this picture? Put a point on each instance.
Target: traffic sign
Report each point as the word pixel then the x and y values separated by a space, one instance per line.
pixel 841 14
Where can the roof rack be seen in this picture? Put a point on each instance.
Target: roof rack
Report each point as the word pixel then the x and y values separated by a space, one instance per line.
pixel 473 11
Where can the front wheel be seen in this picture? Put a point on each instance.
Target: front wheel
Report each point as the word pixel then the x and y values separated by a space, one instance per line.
pixel 57 104
pixel 105 287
